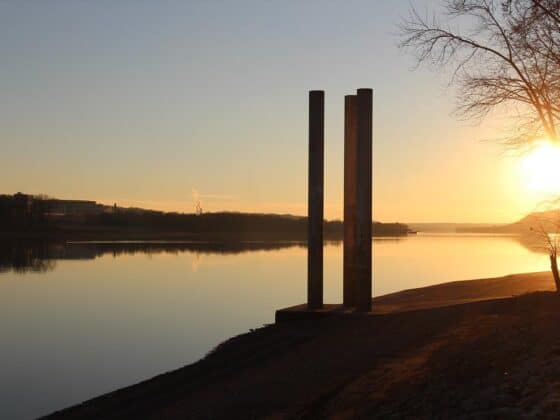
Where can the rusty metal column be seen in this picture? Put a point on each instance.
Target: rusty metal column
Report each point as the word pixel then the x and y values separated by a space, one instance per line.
pixel 350 194
pixel 363 200
pixel 315 200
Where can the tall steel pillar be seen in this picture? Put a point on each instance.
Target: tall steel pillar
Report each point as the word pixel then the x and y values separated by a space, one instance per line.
pixel 315 200
pixel 350 195
pixel 364 199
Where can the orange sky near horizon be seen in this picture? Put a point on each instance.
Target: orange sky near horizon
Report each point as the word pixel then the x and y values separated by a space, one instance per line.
pixel 443 202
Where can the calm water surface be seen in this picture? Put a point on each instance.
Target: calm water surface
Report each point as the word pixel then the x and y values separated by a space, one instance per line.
pixel 85 319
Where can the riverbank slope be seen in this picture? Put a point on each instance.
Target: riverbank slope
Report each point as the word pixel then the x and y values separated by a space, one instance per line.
pixel 482 348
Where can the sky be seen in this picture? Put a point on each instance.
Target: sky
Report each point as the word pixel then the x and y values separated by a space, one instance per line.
pixel 158 104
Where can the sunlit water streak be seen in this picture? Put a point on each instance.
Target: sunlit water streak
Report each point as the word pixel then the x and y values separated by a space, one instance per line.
pixel 84 327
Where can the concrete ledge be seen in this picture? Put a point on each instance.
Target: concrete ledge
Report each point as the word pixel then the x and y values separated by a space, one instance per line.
pixel 301 312
pixel 439 295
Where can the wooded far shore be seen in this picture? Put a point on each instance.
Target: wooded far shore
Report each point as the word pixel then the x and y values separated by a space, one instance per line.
pixel 27 216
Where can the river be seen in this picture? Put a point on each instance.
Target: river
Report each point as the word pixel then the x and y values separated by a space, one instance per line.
pixel 81 319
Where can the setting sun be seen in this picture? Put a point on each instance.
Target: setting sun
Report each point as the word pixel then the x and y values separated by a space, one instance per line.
pixel 540 169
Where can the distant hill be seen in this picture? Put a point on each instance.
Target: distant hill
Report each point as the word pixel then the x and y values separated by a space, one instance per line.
pixel 546 220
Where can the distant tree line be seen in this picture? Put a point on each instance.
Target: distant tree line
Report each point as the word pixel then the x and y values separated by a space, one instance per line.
pixel 23 212
pixel 26 213
pixel 229 222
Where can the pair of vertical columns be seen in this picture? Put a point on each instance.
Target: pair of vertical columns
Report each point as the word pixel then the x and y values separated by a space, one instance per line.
pixel 357 200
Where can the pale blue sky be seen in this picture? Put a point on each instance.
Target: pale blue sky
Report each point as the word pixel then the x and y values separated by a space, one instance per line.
pixel 144 102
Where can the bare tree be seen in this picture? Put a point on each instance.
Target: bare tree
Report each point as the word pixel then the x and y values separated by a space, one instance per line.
pixel 546 233
pixel 502 53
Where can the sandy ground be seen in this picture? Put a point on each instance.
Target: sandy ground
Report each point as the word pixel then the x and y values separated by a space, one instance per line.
pixel 486 348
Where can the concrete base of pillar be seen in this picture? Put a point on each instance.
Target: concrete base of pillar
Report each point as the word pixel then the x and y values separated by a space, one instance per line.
pixel 302 312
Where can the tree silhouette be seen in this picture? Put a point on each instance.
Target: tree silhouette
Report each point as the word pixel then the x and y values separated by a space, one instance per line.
pixel 502 54
pixel 546 231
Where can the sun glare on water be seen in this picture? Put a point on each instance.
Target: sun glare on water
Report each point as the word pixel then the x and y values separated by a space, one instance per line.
pixel 540 169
